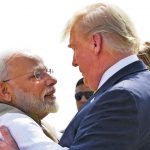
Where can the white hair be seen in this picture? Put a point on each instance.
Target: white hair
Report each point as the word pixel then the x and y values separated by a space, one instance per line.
pixel 24 101
pixel 5 58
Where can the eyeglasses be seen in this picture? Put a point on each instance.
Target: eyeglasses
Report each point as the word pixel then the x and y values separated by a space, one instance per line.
pixel 38 74
pixel 79 95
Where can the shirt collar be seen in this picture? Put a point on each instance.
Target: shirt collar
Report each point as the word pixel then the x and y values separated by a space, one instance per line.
pixel 116 67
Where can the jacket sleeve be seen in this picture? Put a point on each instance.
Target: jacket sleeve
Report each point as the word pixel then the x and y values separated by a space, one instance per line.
pixel 111 124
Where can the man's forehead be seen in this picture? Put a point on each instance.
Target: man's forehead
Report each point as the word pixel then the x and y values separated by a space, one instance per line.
pixel 71 41
pixel 24 63
pixel 25 58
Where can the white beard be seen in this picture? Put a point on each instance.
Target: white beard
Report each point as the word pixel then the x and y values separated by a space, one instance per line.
pixel 32 105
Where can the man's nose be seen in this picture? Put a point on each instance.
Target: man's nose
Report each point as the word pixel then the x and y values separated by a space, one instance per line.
pixel 51 80
pixel 74 63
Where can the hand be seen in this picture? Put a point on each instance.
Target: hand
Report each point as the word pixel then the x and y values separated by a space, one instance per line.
pixel 8 143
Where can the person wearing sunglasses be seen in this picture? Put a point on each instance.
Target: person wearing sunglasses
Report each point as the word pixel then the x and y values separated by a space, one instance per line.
pixel 82 93
pixel 105 47
pixel 27 91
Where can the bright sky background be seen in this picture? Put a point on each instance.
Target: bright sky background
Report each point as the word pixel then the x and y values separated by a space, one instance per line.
pixel 37 25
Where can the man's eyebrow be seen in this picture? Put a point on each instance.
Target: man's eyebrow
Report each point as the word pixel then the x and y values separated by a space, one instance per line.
pixel 69 46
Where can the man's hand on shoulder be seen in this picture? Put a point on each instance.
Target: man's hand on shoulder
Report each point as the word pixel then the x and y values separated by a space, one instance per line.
pixel 8 142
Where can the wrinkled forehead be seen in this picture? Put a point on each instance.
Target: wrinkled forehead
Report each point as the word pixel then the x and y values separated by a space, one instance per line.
pixel 21 63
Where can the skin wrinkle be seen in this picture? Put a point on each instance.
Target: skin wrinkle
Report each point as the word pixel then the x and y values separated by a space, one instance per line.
pixel 30 100
pixel 40 100
pixel 41 106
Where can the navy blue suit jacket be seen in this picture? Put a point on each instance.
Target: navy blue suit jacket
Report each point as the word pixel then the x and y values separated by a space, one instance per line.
pixel 117 116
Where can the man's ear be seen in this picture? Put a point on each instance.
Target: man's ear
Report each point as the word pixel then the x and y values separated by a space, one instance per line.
pixel 5 94
pixel 97 43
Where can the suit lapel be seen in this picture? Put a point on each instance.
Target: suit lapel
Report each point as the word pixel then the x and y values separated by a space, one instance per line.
pixel 72 128
pixel 132 68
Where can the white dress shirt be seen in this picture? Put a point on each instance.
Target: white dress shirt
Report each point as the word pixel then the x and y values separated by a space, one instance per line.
pixel 116 67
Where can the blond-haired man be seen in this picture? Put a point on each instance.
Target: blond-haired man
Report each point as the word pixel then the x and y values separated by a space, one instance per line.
pixel 105 47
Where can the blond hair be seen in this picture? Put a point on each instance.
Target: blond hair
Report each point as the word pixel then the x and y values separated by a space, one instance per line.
pixel 109 21
pixel 144 54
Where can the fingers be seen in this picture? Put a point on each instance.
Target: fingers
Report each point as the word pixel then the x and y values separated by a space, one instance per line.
pixel 6 135
pixel 8 140
pixel 4 146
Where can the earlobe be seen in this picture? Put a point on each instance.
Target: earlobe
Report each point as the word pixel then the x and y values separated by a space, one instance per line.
pixel 5 95
pixel 97 42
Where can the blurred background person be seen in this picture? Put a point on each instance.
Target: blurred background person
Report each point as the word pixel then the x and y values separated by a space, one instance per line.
pixel 144 54
pixel 82 93
pixel 105 47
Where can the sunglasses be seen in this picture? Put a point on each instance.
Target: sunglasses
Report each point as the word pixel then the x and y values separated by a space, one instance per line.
pixel 79 95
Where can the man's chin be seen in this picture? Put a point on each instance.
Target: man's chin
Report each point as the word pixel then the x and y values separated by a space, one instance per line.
pixel 53 107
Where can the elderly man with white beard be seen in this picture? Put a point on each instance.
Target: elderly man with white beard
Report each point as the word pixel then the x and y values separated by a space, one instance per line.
pixel 26 97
